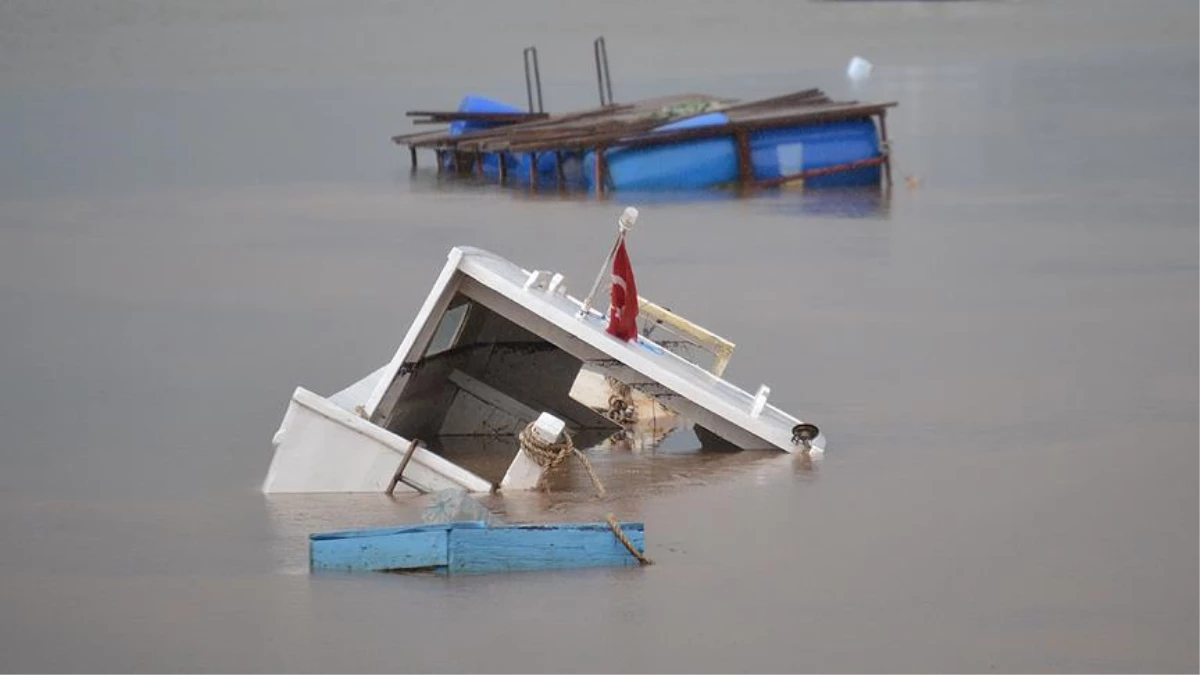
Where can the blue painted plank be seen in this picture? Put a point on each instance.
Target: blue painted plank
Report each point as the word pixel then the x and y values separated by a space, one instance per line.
pixel 410 550
pixel 540 547
pixel 389 531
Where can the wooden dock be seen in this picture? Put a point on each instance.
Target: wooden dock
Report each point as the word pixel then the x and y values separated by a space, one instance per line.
pixel 631 125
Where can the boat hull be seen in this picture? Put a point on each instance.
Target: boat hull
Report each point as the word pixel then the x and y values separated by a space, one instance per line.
pixel 474 547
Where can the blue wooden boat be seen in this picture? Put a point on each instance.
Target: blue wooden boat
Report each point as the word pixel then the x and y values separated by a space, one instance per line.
pixel 475 547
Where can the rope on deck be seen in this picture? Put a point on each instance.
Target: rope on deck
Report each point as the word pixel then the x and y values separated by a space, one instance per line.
pixel 550 455
pixel 616 529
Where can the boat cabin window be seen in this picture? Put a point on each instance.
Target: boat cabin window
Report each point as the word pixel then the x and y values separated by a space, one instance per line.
pixel 449 329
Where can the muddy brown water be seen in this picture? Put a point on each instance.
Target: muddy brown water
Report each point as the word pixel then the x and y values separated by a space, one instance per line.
pixel 200 210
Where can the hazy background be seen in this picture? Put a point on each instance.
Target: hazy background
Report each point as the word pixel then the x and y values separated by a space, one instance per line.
pixel 200 209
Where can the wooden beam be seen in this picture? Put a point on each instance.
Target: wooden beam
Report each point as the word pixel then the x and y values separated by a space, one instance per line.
pixel 459 116
pixel 745 167
pixel 601 171
pixel 887 147
pixel 718 346
pixel 823 171
pixel 756 123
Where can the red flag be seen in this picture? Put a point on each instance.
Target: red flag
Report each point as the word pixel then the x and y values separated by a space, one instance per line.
pixel 623 308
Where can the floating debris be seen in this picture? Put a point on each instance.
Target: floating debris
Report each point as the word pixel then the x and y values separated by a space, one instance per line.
pixel 859 69
pixel 683 141
pixel 454 505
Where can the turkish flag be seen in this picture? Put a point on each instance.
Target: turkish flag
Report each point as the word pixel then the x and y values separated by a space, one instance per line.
pixel 623 308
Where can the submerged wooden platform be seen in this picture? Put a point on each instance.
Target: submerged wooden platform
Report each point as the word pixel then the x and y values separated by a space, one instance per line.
pixel 631 125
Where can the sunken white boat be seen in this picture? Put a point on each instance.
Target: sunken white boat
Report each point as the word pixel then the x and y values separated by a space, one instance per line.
pixel 492 348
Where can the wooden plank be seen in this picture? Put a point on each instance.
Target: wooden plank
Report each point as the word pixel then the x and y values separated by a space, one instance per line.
pixel 405 139
pixel 824 110
pixel 491 396
pixel 823 171
pixel 541 547
pixel 754 123
pixel 456 116
pixel 718 346
pixel 805 96
pixel 628 124
pixel 411 549
pixel 553 123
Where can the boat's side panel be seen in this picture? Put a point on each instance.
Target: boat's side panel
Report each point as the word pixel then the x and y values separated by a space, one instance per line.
pixel 405 550
pixel 546 547
pixel 321 447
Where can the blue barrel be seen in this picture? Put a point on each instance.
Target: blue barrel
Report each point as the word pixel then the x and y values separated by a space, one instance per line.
pixel 779 152
pixel 688 165
pixel 712 162
pixel 517 164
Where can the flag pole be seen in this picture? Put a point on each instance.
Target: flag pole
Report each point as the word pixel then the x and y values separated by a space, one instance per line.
pixel 624 224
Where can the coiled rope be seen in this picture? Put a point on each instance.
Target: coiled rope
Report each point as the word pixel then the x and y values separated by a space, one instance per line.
pixel 550 455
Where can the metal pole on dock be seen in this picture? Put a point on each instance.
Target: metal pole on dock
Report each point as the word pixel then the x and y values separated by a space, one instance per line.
pixel 533 77
pixel 603 80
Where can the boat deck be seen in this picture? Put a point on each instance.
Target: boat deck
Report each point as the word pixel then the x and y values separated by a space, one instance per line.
pixel 697 393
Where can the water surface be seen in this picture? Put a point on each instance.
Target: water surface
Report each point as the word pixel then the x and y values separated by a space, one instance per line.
pixel 200 210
